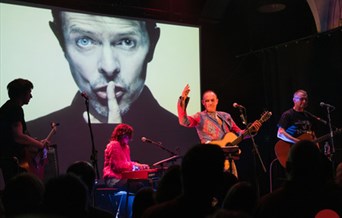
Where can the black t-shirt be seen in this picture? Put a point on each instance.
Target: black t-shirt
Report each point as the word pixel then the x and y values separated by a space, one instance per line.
pixel 10 113
pixel 296 123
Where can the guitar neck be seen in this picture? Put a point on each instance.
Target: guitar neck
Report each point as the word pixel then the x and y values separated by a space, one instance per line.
pixel 52 132
pixel 327 136
pixel 242 136
pixel 264 117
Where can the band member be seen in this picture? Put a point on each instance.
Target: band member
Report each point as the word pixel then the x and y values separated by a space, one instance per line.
pixel 295 121
pixel 211 125
pixel 295 124
pixel 15 139
pixel 117 158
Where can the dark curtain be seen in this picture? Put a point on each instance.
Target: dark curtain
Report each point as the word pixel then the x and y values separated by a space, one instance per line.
pixel 266 80
pixel 314 64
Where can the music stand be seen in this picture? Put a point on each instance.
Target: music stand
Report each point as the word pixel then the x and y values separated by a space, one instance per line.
pixel 231 153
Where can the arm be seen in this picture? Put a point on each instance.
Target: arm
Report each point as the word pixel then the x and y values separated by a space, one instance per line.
pixel 183 118
pixel 21 138
pixel 284 124
pixel 118 160
pixel 283 135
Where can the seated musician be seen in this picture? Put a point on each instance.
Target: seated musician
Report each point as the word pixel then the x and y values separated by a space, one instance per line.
pixel 117 158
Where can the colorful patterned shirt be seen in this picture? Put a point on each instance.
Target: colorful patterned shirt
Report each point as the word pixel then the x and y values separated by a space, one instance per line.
pixel 208 128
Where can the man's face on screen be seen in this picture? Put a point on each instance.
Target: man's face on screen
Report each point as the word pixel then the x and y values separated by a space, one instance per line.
pixel 104 49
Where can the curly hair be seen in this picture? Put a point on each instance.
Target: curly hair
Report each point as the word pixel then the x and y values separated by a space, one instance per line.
pixel 121 130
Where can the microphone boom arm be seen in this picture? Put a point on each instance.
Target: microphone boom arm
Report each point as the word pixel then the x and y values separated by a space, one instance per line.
pixel 159 144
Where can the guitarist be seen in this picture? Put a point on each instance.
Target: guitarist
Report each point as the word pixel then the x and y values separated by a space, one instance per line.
pixel 295 121
pixel 211 125
pixel 13 133
pixel 294 125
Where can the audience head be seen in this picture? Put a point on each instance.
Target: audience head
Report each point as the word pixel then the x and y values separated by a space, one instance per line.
pixel 66 195
pixel 143 199
pixel 223 213
pixel 202 171
pixel 306 162
pixel 170 184
pixel 242 196
pixel 338 176
pixel 85 171
pixel 23 194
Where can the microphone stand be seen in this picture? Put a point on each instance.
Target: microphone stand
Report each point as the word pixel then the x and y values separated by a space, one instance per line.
pixel 93 156
pixel 159 144
pixel 332 146
pixel 255 150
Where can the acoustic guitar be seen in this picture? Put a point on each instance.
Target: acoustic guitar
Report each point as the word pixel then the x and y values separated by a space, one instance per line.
pixel 282 148
pixel 231 141
pixel 35 159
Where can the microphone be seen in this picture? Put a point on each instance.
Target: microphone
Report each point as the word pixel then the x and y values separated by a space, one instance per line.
pixel 317 118
pixel 242 115
pixel 322 104
pixel 84 95
pixel 236 105
pixel 146 140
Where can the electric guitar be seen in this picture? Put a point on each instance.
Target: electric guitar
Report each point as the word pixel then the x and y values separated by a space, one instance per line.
pixel 282 148
pixel 231 141
pixel 35 159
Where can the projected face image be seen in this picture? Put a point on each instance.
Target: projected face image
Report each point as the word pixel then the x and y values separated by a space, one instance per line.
pixel 107 58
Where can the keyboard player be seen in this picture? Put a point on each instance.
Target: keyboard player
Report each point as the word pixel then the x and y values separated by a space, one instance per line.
pixel 117 158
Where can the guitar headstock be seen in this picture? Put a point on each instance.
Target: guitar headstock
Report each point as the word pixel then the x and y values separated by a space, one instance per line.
pixel 265 116
pixel 54 127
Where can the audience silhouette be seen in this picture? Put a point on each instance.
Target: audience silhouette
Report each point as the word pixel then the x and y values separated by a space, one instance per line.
pixel 143 199
pixel 202 177
pixel 198 187
pixel 67 196
pixel 22 195
pixel 170 184
pixel 242 196
pixel 86 172
pixel 307 189
pixel 223 213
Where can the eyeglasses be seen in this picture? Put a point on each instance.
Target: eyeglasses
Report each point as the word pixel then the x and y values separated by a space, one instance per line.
pixel 302 99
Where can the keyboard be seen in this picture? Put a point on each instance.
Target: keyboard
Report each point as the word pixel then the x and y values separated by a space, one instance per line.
pixel 142 174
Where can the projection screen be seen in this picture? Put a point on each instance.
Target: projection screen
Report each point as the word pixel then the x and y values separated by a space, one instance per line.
pixel 31 50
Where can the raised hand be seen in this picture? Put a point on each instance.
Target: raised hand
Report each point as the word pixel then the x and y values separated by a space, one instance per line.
pixel 186 91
